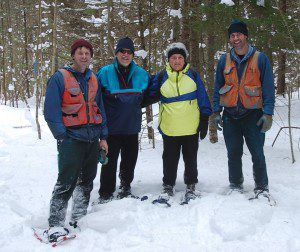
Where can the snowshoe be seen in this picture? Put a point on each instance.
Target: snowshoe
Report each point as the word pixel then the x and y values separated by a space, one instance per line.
pixel 260 194
pixel 53 236
pixel 162 200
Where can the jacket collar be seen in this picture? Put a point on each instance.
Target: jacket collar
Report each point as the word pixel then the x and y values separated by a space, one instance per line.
pixel 87 74
pixel 237 59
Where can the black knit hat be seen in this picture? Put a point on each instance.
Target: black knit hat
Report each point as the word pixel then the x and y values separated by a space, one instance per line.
pixel 125 43
pixel 177 48
pixel 238 26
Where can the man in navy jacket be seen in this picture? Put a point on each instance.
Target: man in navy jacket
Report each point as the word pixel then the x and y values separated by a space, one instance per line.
pixel 123 83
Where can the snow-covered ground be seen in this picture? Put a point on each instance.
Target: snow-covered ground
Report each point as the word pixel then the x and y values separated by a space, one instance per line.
pixel 215 222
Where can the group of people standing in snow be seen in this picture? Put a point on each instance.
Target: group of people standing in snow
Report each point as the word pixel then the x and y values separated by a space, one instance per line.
pixel 89 112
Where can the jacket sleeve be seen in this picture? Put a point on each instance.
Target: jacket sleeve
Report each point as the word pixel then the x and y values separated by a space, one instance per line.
pixel 267 82
pixel 219 82
pixel 152 93
pixel 52 107
pixel 203 100
pixel 99 100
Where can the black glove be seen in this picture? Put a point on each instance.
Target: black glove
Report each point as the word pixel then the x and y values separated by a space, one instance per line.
pixel 203 126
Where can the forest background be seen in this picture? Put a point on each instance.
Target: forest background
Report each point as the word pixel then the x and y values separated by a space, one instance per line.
pixel 36 37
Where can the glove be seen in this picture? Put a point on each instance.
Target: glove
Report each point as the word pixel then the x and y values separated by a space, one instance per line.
pixel 203 126
pixel 266 122
pixel 217 121
pixel 103 159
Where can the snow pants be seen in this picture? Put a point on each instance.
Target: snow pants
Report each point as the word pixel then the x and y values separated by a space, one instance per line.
pixel 77 168
pixel 171 154
pixel 127 145
pixel 235 131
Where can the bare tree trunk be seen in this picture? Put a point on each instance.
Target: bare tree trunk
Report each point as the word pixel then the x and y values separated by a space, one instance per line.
pixel 175 21
pixel 39 77
pixel 289 123
pixel 27 82
pixel 12 60
pixel 210 71
pixel 54 62
pixel 281 84
pixel 110 39
pixel 185 27
pixel 194 37
pixel 149 113
pixel 4 84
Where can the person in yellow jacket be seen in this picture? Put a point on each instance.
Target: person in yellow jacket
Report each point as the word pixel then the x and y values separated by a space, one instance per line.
pixel 183 115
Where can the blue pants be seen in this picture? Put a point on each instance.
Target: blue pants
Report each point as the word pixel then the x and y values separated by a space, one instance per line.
pixel 235 131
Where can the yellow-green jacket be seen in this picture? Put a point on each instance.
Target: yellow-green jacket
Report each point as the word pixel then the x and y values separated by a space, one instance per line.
pixel 183 99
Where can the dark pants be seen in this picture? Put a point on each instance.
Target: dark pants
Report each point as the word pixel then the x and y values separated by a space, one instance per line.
pixel 171 155
pixel 77 165
pixel 235 131
pixel 128 146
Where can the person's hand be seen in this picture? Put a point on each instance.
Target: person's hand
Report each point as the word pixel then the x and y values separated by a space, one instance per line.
pixel 266 122
pixel 217 121
pixel 103 145
pixel 203 126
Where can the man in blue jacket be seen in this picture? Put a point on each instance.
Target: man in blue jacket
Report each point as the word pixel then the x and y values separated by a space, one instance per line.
pixel 123 83
pixel 75 115
pixel 244 87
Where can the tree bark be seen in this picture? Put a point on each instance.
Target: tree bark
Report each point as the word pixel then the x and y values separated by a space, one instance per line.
pixel 54 62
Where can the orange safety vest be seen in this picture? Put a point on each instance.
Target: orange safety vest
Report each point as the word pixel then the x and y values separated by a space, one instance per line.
pixel 75 110
pixel 248 90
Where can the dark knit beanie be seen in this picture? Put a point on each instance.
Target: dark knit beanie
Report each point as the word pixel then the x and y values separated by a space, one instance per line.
pixel 125 43
pixel 80 43
pixel 238 26
pixel 176 48
pixel 177 51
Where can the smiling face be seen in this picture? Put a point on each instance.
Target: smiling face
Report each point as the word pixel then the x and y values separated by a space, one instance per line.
pixel 177 62
pixel 239 42
pixel 82 59
pixel 124 56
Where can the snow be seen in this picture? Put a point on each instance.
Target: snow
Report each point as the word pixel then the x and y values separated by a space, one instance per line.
pixel 260 3
pixel 215 222
pixel 175 13
pixel 141 53
pixel 227 2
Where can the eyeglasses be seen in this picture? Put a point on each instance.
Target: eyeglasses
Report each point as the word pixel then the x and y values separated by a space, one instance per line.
pixel 123 51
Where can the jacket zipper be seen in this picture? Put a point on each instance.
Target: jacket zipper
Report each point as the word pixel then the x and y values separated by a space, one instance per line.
pixel 177 83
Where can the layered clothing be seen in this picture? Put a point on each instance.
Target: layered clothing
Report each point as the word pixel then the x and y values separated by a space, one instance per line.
pixel 183 100
pixel 53 109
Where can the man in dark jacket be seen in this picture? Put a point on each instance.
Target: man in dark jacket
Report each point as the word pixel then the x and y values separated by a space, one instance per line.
pixel 244 87
pixel 75 115
pixel 123 83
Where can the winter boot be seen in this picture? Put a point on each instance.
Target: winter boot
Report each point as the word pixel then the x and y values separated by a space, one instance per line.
pixel 233 187
pixel 190 192
pixel 167 192
pixel 74 226
pixel 125 191
pixel 55 232
pixel 103 198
